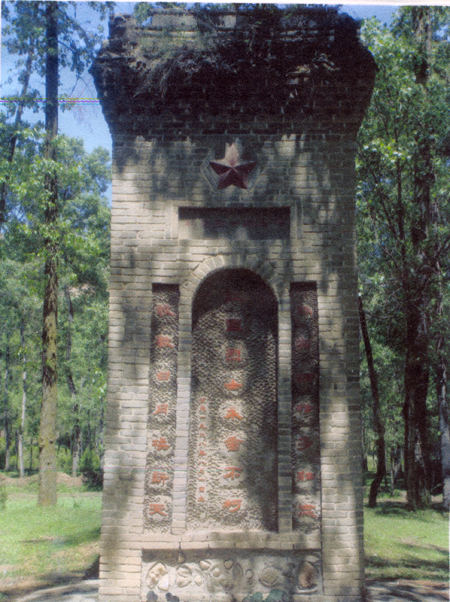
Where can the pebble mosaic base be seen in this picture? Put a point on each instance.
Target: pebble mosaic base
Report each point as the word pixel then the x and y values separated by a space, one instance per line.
pixel 233 431
pixel 305 408
pixel 162 414
pixel 233 574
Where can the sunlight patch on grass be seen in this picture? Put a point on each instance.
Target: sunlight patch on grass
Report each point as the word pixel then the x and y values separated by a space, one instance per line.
pixel 405 545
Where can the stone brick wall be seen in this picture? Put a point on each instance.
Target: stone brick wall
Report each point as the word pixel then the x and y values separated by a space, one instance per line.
pixel 304 165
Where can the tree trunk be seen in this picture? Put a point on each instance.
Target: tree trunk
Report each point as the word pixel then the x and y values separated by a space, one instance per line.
pixel 24 402
pixel 6 413
pixel 417 374
pixel 47 429
pixel 76 432
pixel 378 424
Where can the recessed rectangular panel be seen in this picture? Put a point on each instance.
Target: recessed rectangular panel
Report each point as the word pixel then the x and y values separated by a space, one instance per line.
pixel 305 408
pixel 233 223
pixel 162 411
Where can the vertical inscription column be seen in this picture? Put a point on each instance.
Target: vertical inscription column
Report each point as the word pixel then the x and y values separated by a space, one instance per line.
pixel 162 412
pixel 305 408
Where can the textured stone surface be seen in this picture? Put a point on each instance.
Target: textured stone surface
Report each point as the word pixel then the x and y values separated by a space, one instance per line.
pixel 229 575
pixel 233 445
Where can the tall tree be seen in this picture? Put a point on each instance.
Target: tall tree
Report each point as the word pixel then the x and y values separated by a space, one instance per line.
pixel 404 202
pixel 47 430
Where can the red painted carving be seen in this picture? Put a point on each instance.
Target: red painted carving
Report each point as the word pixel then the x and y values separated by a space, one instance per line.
pixel 202 426
pixel 201 490
pixel 201 499
pixel 159 477
pixel 304 443
pixel 233 414
pixel 233 385
pixel 234 472
pixel 202 409
pixel 305 310
pixel 161 408
pixel 303 408
pixel 163 341
pixel 233 443
pixel 231 170
pixel 155 508
pixel 164 309
pixel 304 476
pixel 202 452
pixel 160 444
pixel 234 325
pixel 307 510
pixel 163 376
pixel 233 354
pixel 232 505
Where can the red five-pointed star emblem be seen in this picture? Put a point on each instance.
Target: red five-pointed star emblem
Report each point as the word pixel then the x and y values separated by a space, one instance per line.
pixel 230 170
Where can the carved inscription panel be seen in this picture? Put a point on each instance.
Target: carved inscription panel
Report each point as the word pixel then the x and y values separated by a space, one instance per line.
pixel 162 412
pixel 305 408
pixel 233 432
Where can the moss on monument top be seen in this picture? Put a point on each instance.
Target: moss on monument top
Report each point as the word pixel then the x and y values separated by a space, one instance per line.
pixel 259 59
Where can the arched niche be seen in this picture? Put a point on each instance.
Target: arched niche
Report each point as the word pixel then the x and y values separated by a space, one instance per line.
pixel 233 432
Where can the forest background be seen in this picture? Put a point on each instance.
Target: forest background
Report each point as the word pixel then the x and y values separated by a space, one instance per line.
pixel 55 233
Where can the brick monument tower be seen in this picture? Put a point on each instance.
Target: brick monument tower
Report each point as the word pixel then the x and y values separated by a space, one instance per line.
pixel 233 452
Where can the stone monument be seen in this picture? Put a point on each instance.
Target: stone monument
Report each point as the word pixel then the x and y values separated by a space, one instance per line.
pixel 233 452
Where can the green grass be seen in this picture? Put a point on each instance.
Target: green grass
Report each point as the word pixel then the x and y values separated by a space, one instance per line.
pixel 406 545
pixel 48 545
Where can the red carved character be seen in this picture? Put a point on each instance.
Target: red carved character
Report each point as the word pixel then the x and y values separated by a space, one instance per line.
pixel 304 443
pixel 161 408
pixel 234 472
pixel 232 505
pixel 303 408
pixel 233 443
pixel 232 354
pixel 305 310
pixel 305 476
pixel 233 414
pixel 159 477
pixel 160 444
pixel 163 376
pixel 164 309
pixel 163 341
pixel 232 385
pixel 307 510
pixel 155 508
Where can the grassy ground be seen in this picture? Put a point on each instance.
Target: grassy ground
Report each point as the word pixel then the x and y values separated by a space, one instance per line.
pixel 47 546
pixel 403 545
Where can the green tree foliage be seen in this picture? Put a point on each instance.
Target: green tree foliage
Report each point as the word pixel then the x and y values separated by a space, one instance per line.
pixel 403 213
pixel 49 36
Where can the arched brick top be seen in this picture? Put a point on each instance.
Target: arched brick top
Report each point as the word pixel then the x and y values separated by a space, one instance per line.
pixel 208 266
